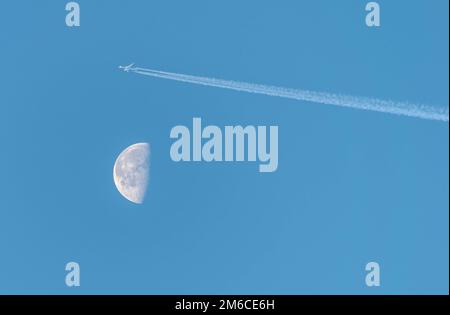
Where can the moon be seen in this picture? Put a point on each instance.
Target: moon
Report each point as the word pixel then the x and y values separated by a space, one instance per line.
pixel 132 171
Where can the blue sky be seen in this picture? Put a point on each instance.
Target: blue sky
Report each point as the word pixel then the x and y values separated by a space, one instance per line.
pixel 351 186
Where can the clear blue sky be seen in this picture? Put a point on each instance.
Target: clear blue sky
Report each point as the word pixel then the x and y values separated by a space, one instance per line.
pixel 351 186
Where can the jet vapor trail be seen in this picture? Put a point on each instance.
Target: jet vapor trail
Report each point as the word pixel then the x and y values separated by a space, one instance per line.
pixel 366 103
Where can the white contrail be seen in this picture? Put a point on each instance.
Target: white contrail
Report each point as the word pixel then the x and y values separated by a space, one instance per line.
pixel 366 103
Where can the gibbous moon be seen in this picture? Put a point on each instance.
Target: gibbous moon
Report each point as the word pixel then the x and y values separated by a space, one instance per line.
pixel 132 171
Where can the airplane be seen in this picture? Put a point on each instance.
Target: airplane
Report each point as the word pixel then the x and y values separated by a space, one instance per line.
pixel 127 68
